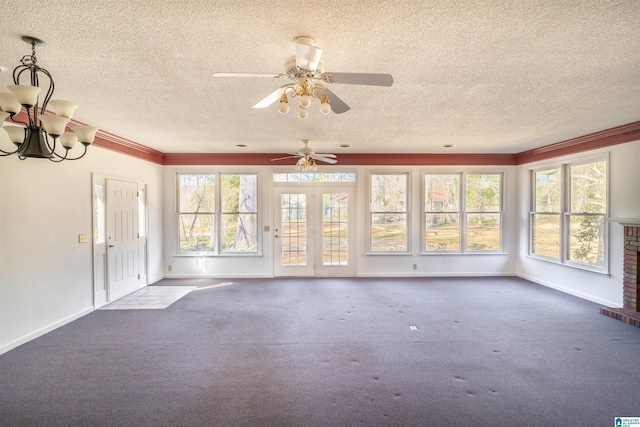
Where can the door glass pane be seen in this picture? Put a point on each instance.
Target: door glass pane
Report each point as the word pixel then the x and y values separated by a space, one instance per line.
pixel 293 209
pixel 142 213
pixel 98 213
pixel 334 229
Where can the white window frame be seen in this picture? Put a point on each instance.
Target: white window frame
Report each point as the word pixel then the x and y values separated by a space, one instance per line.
pixel 463 213
pixel 407 212
pixel 565 213
pixel 217 252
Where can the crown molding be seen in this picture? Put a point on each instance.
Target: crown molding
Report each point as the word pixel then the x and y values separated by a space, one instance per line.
pixel 350 159
pixel 608 137
pixel 613 136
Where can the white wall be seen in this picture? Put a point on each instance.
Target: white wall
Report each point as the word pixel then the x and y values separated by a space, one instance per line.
pixel 366 265
pixel 46 277
pixel 624 202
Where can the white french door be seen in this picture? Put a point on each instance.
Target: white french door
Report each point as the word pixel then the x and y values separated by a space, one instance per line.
pixel 313 231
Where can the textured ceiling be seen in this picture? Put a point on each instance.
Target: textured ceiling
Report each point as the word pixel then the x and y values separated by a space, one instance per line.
pixel 485 76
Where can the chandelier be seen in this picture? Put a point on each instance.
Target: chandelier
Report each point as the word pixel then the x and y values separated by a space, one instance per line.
pixel 306 91
pixel 32 137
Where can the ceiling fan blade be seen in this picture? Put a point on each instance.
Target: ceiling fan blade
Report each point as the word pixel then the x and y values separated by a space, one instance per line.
pixel 285 158
pixel 359 78
pixel 307 56
pixel 268 75
pixel 270 99
pixel 332 156
pixel 337 105
pixel 324 159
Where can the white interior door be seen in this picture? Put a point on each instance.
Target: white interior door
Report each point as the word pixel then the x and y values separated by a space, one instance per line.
pixel 313 231
pixel 122 237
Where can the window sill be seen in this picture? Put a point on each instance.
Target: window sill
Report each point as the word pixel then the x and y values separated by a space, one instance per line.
pixel 389 253
pixel 463 253
pixel 212 255
pixel 574 265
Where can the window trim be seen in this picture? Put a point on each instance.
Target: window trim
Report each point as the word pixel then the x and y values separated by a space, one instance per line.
pixel 407 211
pixel 566 213
pixel 217 252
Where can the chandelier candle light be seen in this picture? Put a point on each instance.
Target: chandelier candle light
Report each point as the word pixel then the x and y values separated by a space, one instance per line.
pixel 32 139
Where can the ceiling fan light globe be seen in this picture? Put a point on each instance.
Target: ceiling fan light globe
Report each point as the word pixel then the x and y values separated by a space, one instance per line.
pixel 283 107
pixel 325 108
pixel 303 113
pixel 305 100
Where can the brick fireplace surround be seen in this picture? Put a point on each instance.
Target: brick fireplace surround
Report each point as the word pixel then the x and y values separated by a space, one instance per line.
pixel 630 312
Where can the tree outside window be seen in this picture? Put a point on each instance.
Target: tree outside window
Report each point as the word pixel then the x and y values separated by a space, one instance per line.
pixel 389 212
pixel 218 210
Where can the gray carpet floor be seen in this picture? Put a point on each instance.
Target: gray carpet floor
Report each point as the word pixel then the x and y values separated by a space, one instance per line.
pixel 333 352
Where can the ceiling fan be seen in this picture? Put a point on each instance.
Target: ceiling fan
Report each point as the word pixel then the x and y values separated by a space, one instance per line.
pixel 309 80
pixel 307 158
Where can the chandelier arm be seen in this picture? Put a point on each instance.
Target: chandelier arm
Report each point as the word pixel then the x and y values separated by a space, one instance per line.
pixel 8 153
pixel 52 85
pixel 49 146
pixel 11 117
pixel 319 89
pixel 75 158
pixel 60 158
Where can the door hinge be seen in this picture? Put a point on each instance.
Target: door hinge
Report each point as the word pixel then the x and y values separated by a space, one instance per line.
pixel 138 277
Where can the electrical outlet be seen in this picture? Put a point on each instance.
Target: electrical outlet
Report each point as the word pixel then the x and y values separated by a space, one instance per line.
pixel 415 266
pixel 169 267
pixel 83 238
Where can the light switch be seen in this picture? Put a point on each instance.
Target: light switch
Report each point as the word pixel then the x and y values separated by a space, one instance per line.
pixel 83 238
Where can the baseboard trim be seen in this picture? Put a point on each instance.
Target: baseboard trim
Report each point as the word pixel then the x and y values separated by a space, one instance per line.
pixel 442 274
pixel 46 329
pixel 570 291
pixel 218 276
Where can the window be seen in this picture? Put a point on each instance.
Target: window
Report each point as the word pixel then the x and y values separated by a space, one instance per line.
pixel 239 212
pixel 546 213
pixel 218 213
pixel 196 212
pixel 389 212
pixel 315 177
pixel 568 212
pixel 442 212
pixel 463 212
pixel 483 212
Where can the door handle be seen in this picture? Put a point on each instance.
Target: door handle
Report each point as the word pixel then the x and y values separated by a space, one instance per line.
pixel 112 246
